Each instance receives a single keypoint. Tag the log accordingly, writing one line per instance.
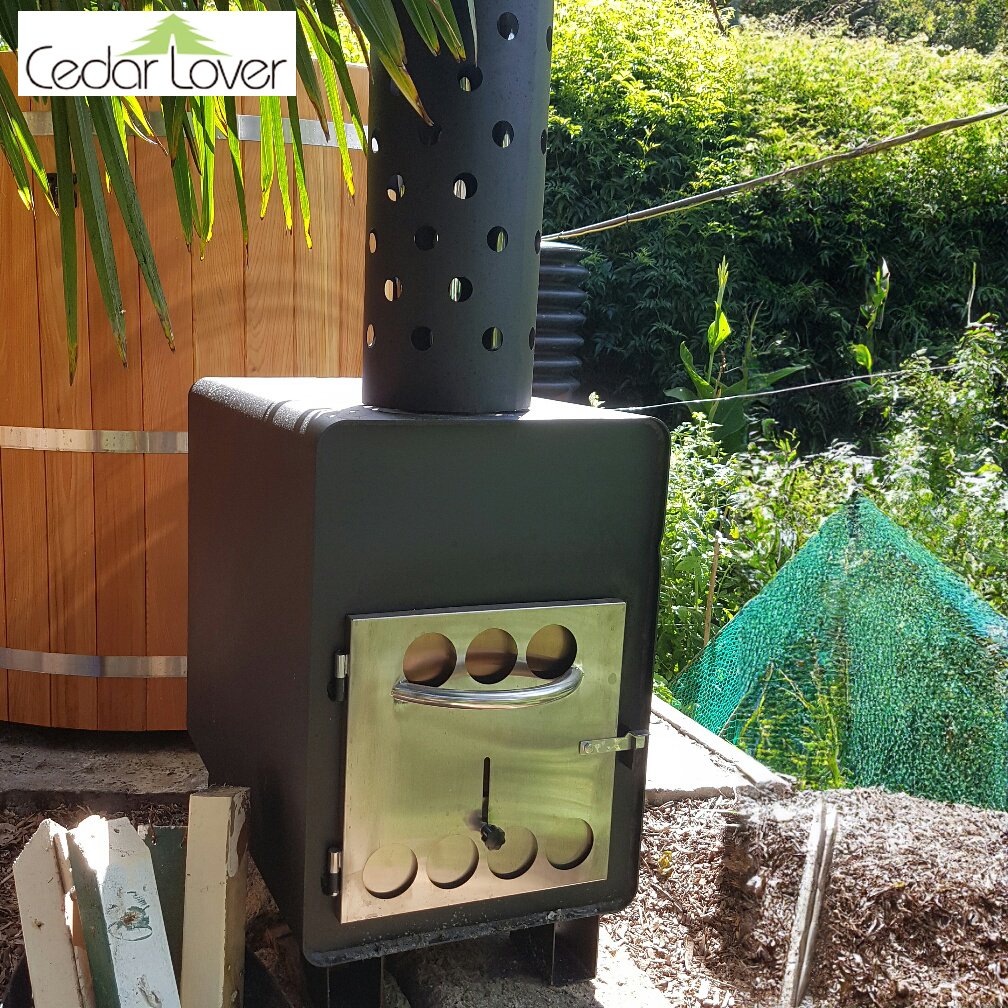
(123, 925)
(213, 941)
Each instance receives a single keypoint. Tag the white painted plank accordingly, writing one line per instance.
(46, 911)
(121, 914)
(213, 939)
(74, 920)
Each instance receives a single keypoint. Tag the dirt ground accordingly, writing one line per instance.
(916, 913)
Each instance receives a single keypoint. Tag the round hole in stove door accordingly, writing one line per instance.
(568, 843)
(491, 656)
(390, 871)
(551, 652)
(430, 660)
(452, 861)
(517, 854)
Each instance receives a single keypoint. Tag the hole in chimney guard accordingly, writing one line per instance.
(429, 134)
(497, 239)
(470, 77)
(569, 843)
(516, 856)
(464, 185)
(507, 25)
(422, 338)
(452, 861)
(542, 141)
(551, 651)
(430, 660)
(532, 338)
(493, 338)
(374, 143)
(393, 289)
(549, 38)
(503, 133)
(460, 289)
(425, 238)
(390, 871)
(370, 336)
(396, 188)
(537, 241)
(491, 656)
(372, 241)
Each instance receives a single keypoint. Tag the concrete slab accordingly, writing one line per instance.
(686, 760)
(46, 767)
(488, 973)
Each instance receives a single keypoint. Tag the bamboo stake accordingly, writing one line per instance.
(713, 195)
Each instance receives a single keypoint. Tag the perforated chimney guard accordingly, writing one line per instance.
(455, 219)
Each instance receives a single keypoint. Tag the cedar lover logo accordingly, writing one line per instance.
(135, 53)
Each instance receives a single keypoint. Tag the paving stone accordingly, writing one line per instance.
(488, 973)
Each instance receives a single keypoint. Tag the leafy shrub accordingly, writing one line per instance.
(960, 24)
(651, 102)
(940, 473)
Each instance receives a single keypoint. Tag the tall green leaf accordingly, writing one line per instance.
(68, 228)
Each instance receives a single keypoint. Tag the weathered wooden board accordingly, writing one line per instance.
(213, 946)
(120, 911)
(46, 911)
(167, 845)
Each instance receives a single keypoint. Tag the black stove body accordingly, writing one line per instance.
(426, 644)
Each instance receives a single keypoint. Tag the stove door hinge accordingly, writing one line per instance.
(624, 743)
(338, 680)
(333, 871)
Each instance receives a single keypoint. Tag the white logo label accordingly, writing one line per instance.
(147, 53)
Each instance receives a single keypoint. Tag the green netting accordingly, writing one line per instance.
(864, 662)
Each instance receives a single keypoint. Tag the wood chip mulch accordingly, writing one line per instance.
(916, 915)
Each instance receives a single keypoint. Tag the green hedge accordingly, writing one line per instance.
(650, 102)
(960, 24)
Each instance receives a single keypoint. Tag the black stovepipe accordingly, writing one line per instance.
(455, 218)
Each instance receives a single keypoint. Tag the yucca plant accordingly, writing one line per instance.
(192, 126)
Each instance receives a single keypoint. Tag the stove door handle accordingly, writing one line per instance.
(513, 699)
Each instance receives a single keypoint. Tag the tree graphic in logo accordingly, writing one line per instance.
(174, 31)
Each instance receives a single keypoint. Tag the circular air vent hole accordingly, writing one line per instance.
(464, 186)
(372, 241)
(396, 188)
(551, 651)
(503, 133)
(422, 338)
(425, 238)
(537, 241)
(393, 289)
(460, 289)
(491, 656)
(369, 338)
(374, 143)
(570, 841)
(429, 134)
(542, 141)
(497, 239)
(470, 77)
(390, 871)
(507, 25)
(532, 339)
(452, 861)
(516, 856)
(493, 338)
(430, 660)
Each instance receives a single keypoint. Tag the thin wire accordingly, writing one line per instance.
(781, 391)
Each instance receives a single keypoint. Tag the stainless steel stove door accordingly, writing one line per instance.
(465, 774)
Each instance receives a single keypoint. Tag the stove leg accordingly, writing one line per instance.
(562, 953)
(358, 984)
